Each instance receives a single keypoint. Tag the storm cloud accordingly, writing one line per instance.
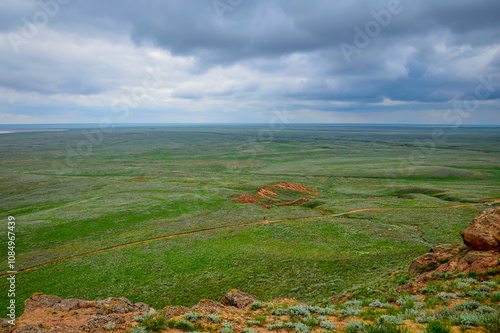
(377, 61)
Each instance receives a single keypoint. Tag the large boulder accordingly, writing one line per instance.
(484, 231)
(39, 300)
(238, 299)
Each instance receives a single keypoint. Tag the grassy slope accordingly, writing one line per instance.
(66, 206)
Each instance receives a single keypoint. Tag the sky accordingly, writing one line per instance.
(250, 61)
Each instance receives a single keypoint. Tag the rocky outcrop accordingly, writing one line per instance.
(439, 254)
(453, 258)
(40, 301)
(484, 231)
(238, 299)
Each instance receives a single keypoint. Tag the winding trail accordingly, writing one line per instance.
(493, 200)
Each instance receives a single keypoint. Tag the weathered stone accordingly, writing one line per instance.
(115, 305)
(174, 311)
(207, 306)
(98, 323)
(40, 301)
(238, 299)
(484, 231)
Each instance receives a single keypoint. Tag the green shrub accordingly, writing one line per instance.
(192, 316)
(378, 304)
(110, 326)
(227, 327)
(302, 328)
(249, 330)
(495, 297)
(214, 318)
(390, 320)
(483, 288)
(468, 306)
(484, 309)
(256, 305)
(384, 329)
(437, 327)
(279, 326)
(327, 325)
(139, 329)
(156, 324)
(492, 323)
(184, 325)
(467, 319)
(350, 311)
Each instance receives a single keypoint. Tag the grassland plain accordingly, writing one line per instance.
(150, 181)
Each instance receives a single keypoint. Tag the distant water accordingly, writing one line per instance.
(31, 130)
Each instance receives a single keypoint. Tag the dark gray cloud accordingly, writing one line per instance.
(423, 52)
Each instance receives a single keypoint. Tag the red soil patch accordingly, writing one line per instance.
(248, 199)
(244, 198)
(295, 187)
(263, 193)
(296, 202)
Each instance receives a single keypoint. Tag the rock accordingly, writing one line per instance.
(484, 231)
(238, 299)
(30, 329)
(438, 255)
(207, 306)
(72, 304)
(174, 311)
(98, 323)
(143, 307)
(478, 262)
(115, 305)
(40, 301)
(424, 263)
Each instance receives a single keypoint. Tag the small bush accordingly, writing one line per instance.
(155, 324)
(327, 325)
(139, 329)
(390, 320)
(492, 323)
(279, 326)
(249, 330)
(468, 306)
(483, 288)
(437, 327)
(378, 304)
(192, 316)
(350, 311)
(302, 328)
(256, 305)
(495, 297)
(214, 318)
(467, 319)
(184, 325)
(110, 326)
(227, 327)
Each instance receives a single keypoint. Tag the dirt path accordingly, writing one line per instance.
(244, 225)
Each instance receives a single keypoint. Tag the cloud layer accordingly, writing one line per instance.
(377, 61)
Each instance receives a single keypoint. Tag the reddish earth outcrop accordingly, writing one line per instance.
(453, 258)
(269, 195)
(46, 313)
(484, 231)
(238, 299)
